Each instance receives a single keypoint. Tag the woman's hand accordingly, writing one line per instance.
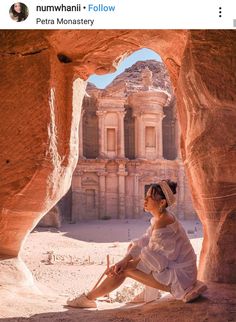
(121, 266)
(117, 268)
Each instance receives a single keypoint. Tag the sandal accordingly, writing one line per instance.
(195, 292)
(81, 301)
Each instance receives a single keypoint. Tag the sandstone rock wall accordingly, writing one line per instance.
(37, 159)
(206, 100)
(52, 218)
(37, 134)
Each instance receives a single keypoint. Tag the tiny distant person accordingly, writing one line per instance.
(18, 12)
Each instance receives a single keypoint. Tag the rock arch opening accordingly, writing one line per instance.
(43, 166)
(129, 121)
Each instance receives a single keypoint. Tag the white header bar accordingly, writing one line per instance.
(120, 14)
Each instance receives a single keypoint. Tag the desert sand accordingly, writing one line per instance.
(70, 260)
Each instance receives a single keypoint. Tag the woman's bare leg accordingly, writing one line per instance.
(107, 286)
(111, 283)
(147, 279)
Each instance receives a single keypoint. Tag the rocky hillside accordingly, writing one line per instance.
(131, 79)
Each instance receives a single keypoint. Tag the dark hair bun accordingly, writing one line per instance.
(172, 185)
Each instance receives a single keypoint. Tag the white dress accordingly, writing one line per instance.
(168, 254)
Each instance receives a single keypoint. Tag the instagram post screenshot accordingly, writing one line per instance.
(118, 161)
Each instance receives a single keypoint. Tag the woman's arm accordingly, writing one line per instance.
(133, 252)
(136, 245)
(120, 266)
(160, 250)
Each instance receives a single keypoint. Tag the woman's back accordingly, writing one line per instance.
(171, 240)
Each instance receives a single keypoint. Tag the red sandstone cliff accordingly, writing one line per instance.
(39, 124)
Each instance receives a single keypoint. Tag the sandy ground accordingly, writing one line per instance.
(80, 250)
(70, 260)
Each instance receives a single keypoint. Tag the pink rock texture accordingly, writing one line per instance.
(131, 78)
(40, 116)
(51, 219)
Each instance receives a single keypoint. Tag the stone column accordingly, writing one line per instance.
(160, 137)
(136, 194)
(102, 194)
(121, 188)
(136, 128)
(81, 139)
(139, 136)
(101, 133)
(77, 197)
(121, 135)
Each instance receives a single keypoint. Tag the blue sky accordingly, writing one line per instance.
(101, 81)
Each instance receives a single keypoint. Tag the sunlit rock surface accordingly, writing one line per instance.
(40, 116)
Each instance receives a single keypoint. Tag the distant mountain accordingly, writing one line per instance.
(131, 79)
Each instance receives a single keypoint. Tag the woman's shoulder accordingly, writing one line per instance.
(163, 222)
(159, 224)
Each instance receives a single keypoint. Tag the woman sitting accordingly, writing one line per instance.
(163, 258)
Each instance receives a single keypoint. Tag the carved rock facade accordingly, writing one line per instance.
(128, 138)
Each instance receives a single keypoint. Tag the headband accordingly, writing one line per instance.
(170, 198)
